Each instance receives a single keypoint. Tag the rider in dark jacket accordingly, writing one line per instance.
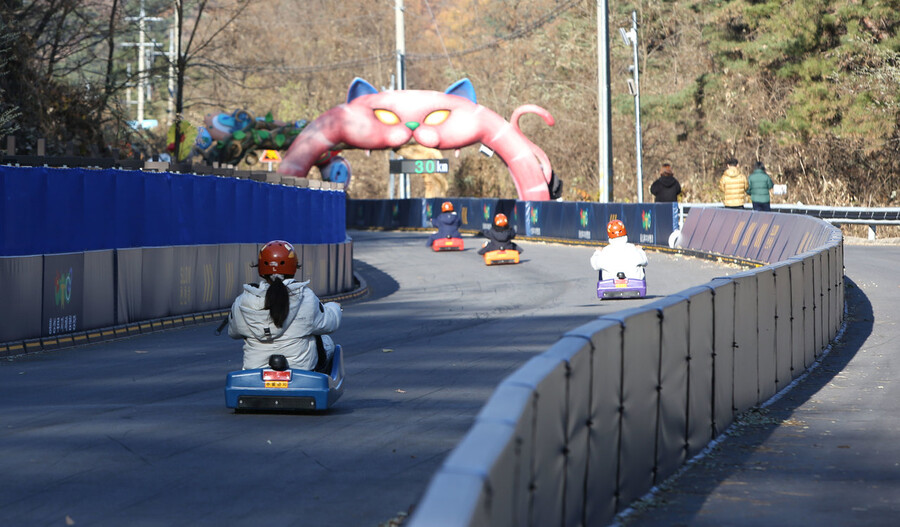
(447, 224)
(499, 236)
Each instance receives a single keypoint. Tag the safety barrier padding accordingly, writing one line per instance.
(723, 353)
(746, 345)
(781, 335)
(699, 354)
(639, 401)
(657, 382)
(604, 423)
(21, 277)
(546, 378)
(508, 477)
(674, 354)
(99, 289)
(577, 355)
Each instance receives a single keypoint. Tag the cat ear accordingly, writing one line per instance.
(358, 88)
(463, 88)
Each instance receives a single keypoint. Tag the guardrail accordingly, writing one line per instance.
(616, 406)
(871, 217)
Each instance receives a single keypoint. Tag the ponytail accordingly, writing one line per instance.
(278, 300)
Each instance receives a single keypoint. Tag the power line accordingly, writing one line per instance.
(518, 33)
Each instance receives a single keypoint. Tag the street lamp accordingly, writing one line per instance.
(630, 38)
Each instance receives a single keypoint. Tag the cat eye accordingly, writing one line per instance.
(436, 117)
(387, 116)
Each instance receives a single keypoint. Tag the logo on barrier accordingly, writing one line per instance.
(645, 220)
(583, 233)
(487, 212)
(428, 209)
(646, 224)
(63, 288)
(534, 216)
(395, 211)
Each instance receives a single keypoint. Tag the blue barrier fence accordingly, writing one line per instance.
(82, 250)
(646, 223)
(57, 210)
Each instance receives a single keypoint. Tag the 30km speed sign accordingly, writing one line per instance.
(420, 166)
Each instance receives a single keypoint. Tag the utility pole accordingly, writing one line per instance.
(604, 167)
(400, 85)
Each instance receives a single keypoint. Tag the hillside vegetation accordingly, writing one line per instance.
(809, 87)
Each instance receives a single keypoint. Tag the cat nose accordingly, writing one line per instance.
(412, 125)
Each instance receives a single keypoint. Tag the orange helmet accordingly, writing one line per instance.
(615, 229)
(446, 207)
(277, 257)
(500, 220)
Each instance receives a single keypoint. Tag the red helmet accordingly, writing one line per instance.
(615, 229)
(277, 257)
(446, 207)
(500, 220)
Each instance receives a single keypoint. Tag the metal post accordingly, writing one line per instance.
(403, 192)
(401, 45)
(637, 110)
(604, 168)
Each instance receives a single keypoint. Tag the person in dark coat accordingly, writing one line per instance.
(499, 236)
(666, 188)
(447, 224)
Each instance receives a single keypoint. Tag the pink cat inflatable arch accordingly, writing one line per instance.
(374, 120)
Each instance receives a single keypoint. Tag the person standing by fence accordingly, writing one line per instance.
(666, 188)
(759, 185)
(733, 185)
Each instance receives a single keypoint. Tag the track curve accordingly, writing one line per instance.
(135, 432)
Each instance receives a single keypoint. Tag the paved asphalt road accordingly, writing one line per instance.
(828, 451)
(135, 432)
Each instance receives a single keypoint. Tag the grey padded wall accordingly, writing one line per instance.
(699, 429)
(578, 356)
(766, 307)
(21, 276)
(798, 331)
(809, 332)
(99, 289)
(782, 339)
(546, 377)
(746, 349)
(640, 378)
(491, 440)
(723, 350)
(819, 297)
(671, 440)
(510, 475)
(160, 282)
(605, 337)
(129, 291)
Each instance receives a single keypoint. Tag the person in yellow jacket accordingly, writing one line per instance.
(734, 185)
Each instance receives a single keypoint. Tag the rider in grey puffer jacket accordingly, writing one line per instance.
(251, 320)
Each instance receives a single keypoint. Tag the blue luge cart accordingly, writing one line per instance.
(269, 389)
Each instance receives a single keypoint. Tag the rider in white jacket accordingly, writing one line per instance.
(256, 313)
(619, 255)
